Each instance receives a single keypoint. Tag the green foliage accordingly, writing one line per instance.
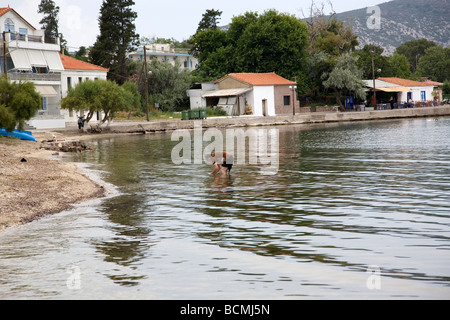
(19, 102)
(81, 54)
(167, 85)
(331, 36)
(345, 77)
(117, 38)
(396, 65)
(210, 20)
(446, 87)
(381, 62)
(210, 46)
(435, 64)
(105, 96)
(329, 39)
(270, 42)
(413, 50)
(50, 20)
(215, 112)
(399, 66)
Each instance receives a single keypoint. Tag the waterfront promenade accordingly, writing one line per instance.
(303, 118)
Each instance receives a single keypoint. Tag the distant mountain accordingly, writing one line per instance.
(401, 21)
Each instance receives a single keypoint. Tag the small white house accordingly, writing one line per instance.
(419, 91)
(259, 94)
(404, 90)
(75, 72)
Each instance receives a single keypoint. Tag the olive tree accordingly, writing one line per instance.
(104, 96)
(19, 102)
(345, 77)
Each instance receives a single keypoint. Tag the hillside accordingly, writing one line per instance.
(401, 21)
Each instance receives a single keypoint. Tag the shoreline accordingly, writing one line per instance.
(35, 183)
(45, 185)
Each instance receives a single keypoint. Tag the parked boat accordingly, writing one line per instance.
(23, 135)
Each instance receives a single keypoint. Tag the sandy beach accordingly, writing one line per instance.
(33, 183)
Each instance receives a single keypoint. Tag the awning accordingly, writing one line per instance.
(53, 61)
(20, 59)
(23, 59)
(225, 92)
(36, 58)
(394, 89)
(46, 91)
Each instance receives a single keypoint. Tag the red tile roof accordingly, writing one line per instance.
(75, 64)
(405, 82)
(259, 79)
(4, 10)
(433, 83)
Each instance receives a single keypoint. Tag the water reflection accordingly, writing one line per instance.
(346, 196)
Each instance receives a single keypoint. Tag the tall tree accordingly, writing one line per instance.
(268, 42)
(210, 20)
(414, 50)
(329, 39)
(117, 37)
(380, 61)
(435, 64)
(50, 21)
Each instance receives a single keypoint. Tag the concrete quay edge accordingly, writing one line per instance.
(305, 118)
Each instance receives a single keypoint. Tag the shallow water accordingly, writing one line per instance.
(358, 210)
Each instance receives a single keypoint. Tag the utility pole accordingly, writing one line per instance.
(293, 97)
(146, 82)
(4, 55)
(373, 77)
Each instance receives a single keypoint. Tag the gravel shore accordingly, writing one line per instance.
(33, 183)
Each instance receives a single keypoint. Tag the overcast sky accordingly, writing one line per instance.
(78, 19)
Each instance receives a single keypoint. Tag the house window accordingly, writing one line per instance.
(423, 95)
(44, 103)
(287, 100)
(69, 83)
(9, 25)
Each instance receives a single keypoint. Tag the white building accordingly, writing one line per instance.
(28, 55)
(75, 72)
(403, 90)
(166, 53)
(259, 94)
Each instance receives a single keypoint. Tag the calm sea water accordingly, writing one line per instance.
(359, 210)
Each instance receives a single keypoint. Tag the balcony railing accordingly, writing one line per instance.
(15, 36)
(34, 76)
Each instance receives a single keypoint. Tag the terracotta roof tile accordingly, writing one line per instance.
(4, 11)
(75, 64)
(259, 79)
(404, 82)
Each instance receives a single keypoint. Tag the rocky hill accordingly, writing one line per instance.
(401, 21)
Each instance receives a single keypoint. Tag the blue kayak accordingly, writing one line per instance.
(23, 135)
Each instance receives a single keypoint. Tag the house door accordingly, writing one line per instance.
(264, 107)
(409, 97)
